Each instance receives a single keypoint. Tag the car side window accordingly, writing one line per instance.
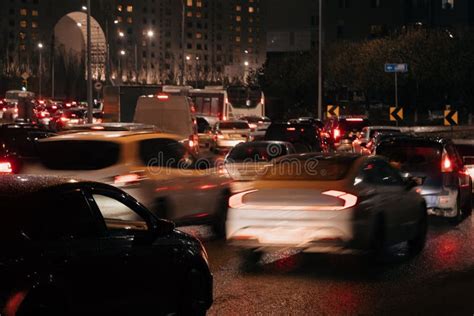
(60, 216)
(162, 152)
(118, 216)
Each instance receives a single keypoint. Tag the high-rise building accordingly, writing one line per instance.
(137, 41)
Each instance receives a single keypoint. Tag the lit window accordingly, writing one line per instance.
(238, 18)
(129, 8)
(198, 35)
(189, 14)
(34, 24)
(129, 20)
(198, 14)
(23, 24)
(189, 3)
(23, 12)
(199, 4)
(238, 8)
(237, 39)
(119, 19)
(34, 13)
(251, 10)
(22, 35)
(119, 8)
(250, 40)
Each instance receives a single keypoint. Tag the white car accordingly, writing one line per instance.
(227, 134)
(153, 167)
(328, 203)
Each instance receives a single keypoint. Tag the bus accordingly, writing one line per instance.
(216, 103)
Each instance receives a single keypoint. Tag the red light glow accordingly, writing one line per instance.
(6, 167)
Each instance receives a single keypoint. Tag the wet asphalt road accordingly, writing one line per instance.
(439, 281)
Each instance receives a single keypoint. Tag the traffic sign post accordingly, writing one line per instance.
(396, 68)
(396, 114)
(332, 111)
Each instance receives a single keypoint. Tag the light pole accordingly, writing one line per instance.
(150, 35)
(40, 71)
(183, 59)
(89, 65)
(320, 62)
(122, 53)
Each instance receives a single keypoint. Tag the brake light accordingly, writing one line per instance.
(253, 126)
(14, 302)
(6, 167)
(349, 199)
(54, 107)
(354, 119)
(16, 110)
(4, 109)
(291, 129)
(224, 118)
(64, 119)
(163, 97)
(97, 128)
(336, 133)
(446, 163)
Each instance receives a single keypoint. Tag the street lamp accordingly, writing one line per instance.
(40, 71)
(246, 63)
(188, 58)
(150, 35)
(122, 53)
(121, 34)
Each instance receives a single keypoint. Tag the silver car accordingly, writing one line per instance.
(227, 134)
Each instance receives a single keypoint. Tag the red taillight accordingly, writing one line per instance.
(446, 163)
(6, 167)
(253, 126)
(163, 97)
(336, 133)
(14, 302)
(354, 120)
(291, 129)
(349, 199)
(64, 119)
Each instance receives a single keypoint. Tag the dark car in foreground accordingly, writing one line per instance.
(83, 248)
(18, 145)
(443, 179)
(304, 137)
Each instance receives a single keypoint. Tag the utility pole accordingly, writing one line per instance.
(183, 58)
(40, 70)
(89, 65)
(320, 62)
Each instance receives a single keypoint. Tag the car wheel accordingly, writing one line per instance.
(192, 303)
(467, 209)
(416, 245)
(219, 225)
(459, 214)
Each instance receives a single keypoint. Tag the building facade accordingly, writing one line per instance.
(135, 41)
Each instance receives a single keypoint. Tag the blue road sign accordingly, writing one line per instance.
(396, 67)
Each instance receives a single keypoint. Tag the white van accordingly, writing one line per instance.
(172, 114)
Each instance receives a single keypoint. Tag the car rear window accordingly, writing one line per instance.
(21, 142)
(233, 125)
(312, 169)
(411, 153)
(353, 125)
(257, 152)
(79, 155)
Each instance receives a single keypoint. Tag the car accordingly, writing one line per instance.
(337, 129)
(246, 160)
(110, 127)
(323, 202)
(308, 120)
(368, 133)
(435, 162)
(227, 134)
(73, 247)
(155, 168)
(204, 132)
(258, 125)
(173, 114)
(18, 145)
(465, 148)
(304, 137)
(66, 118)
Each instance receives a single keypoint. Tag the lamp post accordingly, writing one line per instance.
(40, 70)
(122, 53)
(89, 65)
(150, 35)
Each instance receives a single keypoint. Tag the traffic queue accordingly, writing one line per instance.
(336, 186)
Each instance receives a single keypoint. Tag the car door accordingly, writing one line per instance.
(138, 272)
(66, 234)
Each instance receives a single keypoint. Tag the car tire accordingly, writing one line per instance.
(219, 224)
(194, 286)
(417, 244)
(459, 213)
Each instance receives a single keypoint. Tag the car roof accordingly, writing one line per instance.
(115, 127)
(418, 139)
(264, 142)
(119, 136)
(383, 127)
(319, 155)
(13, 186)
(463, 141)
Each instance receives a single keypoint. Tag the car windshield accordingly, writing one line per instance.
(312, 169)
(255, 152)
(79, 155)
(233, 125)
